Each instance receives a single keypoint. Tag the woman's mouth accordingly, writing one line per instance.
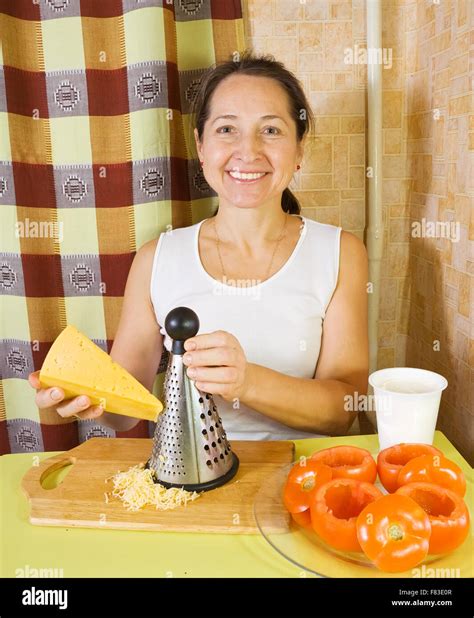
(246, 178)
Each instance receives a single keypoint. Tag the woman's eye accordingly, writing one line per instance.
(277, 130)
(221, 130)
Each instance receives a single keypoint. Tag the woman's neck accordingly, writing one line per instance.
(248, 229)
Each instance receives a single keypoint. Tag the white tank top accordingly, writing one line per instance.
(277, 322)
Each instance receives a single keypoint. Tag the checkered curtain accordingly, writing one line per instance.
(96, 158)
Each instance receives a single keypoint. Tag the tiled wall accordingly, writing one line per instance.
(425, 317)
(309, 38)
(437, 101)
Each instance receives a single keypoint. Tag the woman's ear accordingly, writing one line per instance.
(301, 146)
(198, 144)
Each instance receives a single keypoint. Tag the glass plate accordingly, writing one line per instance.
(304, 548)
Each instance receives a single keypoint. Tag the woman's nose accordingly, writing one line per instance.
(248, 148)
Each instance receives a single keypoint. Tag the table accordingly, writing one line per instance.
(118, 553)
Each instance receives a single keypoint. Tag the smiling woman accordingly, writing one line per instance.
(281, 119)
(281, 298)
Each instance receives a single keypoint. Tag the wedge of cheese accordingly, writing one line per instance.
(78, 366)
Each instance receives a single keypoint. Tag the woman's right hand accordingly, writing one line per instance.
(53, 399)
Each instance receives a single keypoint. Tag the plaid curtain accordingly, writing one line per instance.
(96, 158)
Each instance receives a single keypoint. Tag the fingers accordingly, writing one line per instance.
(51, 397)
(211, 357)
(216, 375)
(47, 397)
(215, 389)
(73, 406)
(33, 379)
(91, 412)
(210, 340)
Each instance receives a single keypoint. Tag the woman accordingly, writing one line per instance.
(281, 299)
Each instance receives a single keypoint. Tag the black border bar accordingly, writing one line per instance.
(301, 597)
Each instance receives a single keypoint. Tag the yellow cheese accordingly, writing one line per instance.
(78, 366)
(136, 488)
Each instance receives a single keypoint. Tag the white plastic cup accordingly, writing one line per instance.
(406, 404)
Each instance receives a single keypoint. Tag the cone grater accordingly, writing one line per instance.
(190, 448)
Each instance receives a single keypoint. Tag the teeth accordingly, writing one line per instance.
(246, 176)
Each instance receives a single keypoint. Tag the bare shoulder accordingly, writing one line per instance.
(142, 265)
(147, 250)
(353, 255)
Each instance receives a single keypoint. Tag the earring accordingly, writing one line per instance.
(298, 167)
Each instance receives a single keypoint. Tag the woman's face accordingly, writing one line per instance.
(249, 142)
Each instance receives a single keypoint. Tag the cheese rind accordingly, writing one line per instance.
(77, 365)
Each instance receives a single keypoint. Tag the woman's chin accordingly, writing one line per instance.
(244, 198)
(243, 204)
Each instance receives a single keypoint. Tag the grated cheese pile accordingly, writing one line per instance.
(136, 488)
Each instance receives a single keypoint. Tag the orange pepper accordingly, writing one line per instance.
(303, 519)
(394, 533)
(348, 462)
(447, 511)
(433, 469)
(335, 508)
(391, 460)
(303, 480)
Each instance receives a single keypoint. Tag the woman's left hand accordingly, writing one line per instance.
(219, 364)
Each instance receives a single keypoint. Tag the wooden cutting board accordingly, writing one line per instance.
(79, 499)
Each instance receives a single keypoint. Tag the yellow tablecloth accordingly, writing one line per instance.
(82, 552)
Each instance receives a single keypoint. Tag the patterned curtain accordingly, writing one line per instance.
(96, 158)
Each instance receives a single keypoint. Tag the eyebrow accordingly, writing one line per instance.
(233, 117)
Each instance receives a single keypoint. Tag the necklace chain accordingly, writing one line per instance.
(273, 254)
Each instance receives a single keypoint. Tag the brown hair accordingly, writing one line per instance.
(260, 66)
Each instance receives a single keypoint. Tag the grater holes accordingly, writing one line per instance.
(209, 462)
(206, 447)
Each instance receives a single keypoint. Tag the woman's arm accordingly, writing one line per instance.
(317, 404)
(138, 343)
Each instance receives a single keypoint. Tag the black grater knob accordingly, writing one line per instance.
(181, 323)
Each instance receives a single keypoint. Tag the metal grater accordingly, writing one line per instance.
(190, 448)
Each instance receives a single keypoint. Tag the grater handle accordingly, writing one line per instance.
(181, 323)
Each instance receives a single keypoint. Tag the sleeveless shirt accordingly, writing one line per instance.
(278, 322)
